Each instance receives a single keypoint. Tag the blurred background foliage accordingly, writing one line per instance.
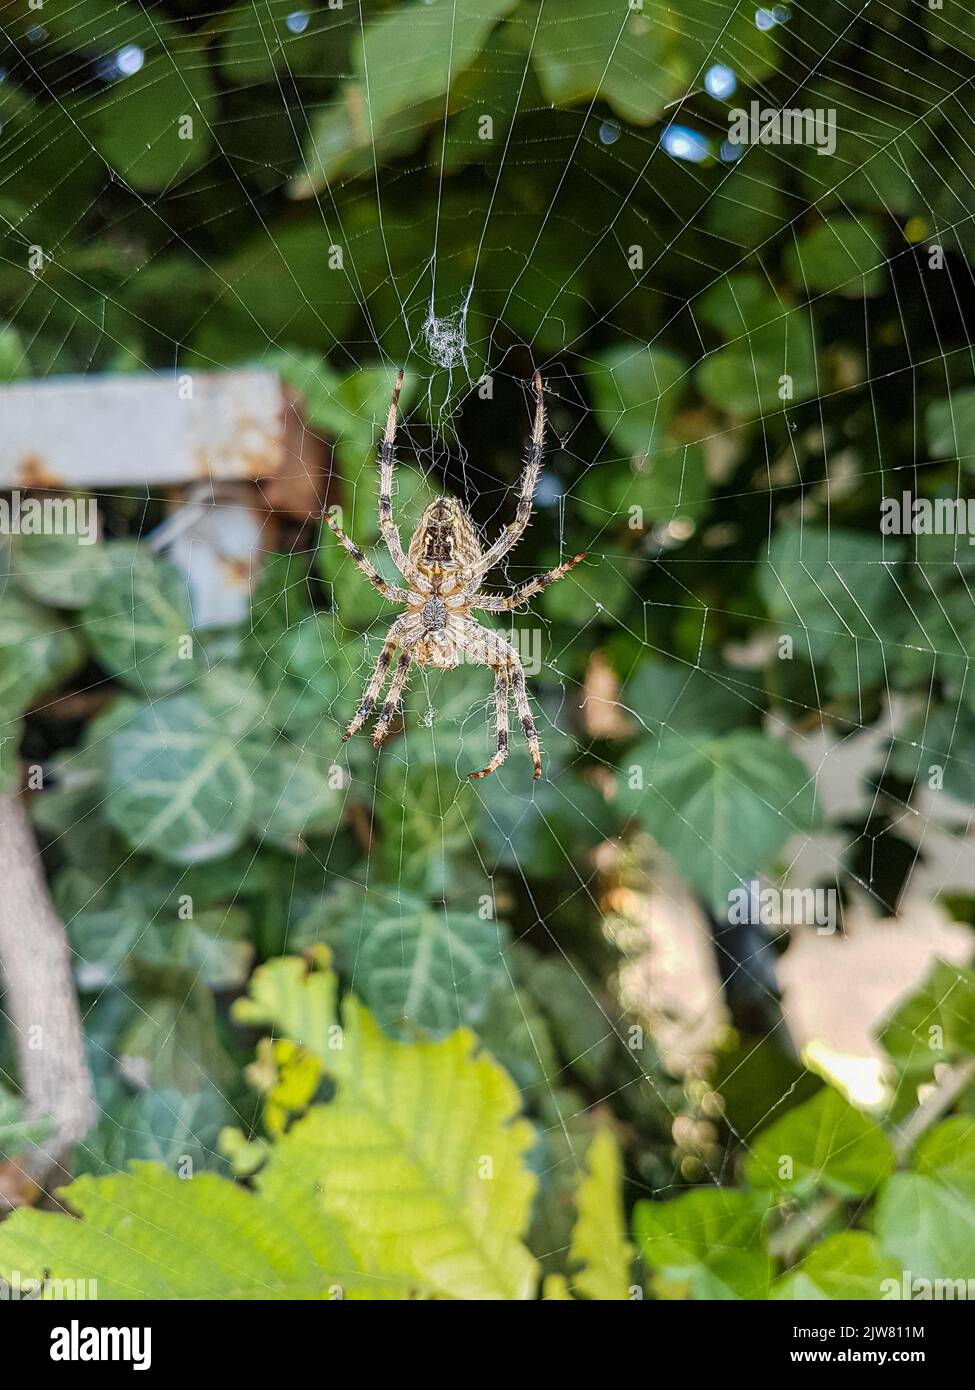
(743, 354)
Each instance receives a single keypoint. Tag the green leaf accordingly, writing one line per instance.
(58, 571)
(708, 1239)
(925, 1219)
(167, 1126)
(423, 967)
(950, 424)
(138, 623)
(668, 485)
(639, 61)
(694, 698)
(635, 392)
(844, 255)
(178, 787)
(599, 1243)
(824, 1143)
(16, 1131)
(420, 1154)
(769, 342)
(720, 807)
(37, 652)
(936, 1024)
(835, 593)
(848, 1265)
(292, 794)
(154, 127)
(257, 40)
(149, 1235)
(409, 56)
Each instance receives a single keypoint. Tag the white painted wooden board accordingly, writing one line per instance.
(146, 428)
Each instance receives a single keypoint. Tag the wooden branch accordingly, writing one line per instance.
(41, 1007)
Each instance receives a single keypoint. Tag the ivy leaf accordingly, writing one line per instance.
(720, 807)
(950, 424)
(292, 795)
(833, 593)
(844, 255)
(936, 1024)
(823, 1143)
(767, 342)
(154, 127)
(926, 1219)
(848, 1265)
(423, 967)
(37, 652)
(56, 570)
(138, 621)
(708, 1239)
(635, 392)
(178, 787)
(167, 1125)
(599, 1243)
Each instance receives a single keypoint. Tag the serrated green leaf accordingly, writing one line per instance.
(147, 1234)
(421, 1156)
(599, 1243)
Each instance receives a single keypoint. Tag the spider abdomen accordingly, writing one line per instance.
(434, 614)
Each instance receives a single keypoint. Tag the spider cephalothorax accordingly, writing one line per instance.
(443, 569)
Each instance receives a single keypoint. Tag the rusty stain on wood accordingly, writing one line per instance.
(145, 429)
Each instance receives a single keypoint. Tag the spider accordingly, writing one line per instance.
(443, 568)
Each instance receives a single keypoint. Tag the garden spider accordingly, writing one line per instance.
(444, 567)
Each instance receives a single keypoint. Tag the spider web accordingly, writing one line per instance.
(606, 232)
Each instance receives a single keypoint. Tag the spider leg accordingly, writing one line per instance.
(376, 682)
(501, 697)
(390, 591)
(498, 603)
(526, 492)
(490, 649)
(524, 712)
(389, 529)
(393, 698)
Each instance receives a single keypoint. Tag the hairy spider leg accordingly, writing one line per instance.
(501, 698)
(503, 603)
(390, 591)
(388, 527)
(393, 697)
(490, 649)
(526, 492)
